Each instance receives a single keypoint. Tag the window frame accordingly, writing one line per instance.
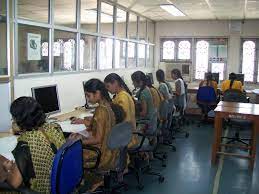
(256, 59)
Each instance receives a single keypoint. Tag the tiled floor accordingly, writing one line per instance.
(189, 170)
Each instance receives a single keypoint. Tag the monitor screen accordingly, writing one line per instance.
(47, 97)
(240, 77)
(151, 77)
(215, 77)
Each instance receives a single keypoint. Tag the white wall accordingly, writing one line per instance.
(5, 116)
(70, 86)
(211, 28)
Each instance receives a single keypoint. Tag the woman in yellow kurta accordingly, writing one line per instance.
(105, 117)
(122, 97)
(231, 83)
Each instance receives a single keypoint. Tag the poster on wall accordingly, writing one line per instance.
(33, 46)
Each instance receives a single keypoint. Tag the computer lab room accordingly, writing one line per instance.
(129, 96)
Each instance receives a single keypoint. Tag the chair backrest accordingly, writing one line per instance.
(206, 95)
(67, 168)
(232, 95)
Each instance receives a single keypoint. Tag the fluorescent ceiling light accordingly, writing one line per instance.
(170, 8)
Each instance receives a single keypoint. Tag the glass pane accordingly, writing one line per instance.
(132, 59)
(248, 60)
(65, 13)
(202, 55)
(106, 24)
(141, 55)
(31, 41)
(120, 54)
(105, 56)
(3, 46)
(2, 7)
(150, 56)
(142, 28)
(89, 15)
(66, 60)
(121, 23)
(132, 28)
(87, 52)
(168, 50)
(218, 68)
(184, 50)
(151, 32)
(36, 10)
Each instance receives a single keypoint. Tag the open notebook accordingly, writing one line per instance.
(7, 145)
(72, 128)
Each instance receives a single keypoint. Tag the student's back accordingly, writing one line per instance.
(231, 83)
(146, 96)
(157, 97)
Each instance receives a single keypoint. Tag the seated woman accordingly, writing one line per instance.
(163, 86)
(106, 115)
(209, 82)
(122, 97)
(231, 83)
(144, 95)
(180, 90)
(36, 147)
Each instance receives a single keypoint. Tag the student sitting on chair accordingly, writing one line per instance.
(164, 88)
(180, 90)
(231, 83)
(106, 115)
(36, 147)
(144, 95)
(209, 82)
(123, 97)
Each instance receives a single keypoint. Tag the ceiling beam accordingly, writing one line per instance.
(211, 8)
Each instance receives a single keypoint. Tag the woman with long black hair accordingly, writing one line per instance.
(231, 83)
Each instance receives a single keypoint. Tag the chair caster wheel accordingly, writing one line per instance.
(161, 179)
(186, 135)
(140, 187)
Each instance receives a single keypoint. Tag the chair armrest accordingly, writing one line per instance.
(98, 153)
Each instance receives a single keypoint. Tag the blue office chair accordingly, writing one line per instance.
(206, 100)
(67, 170)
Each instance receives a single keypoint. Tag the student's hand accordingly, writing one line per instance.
(76, 136)
(77, 121)
(8, 165)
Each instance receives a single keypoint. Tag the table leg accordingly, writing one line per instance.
(253, 144)
(217, 137)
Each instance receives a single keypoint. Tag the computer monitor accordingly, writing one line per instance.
(150, 75)
(47, 97)
(240, 77)
(215, 77)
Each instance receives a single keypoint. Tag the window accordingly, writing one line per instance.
(132, 26)
(248, 60)
(142, 28)
(151, 31)
(218, 68)
(105, 57)
(202, 55)
(30, 46)
(150, 56)
(120, 54)
(26, 10)
(45, 49)
(87, 52)
(3, 39)
(141, 55)
(66, 60)
(132, 60)
(89, 15)
(64, 13)
(168, 50)
(106, 24)
(121, 23)
(184, 50)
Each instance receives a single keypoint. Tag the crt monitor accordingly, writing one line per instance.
(240, 77)
(47, 97)
(150, 75)
(215, 77)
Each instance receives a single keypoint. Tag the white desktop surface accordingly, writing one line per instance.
(7, 145)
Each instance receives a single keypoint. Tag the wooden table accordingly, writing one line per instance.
(244, 111)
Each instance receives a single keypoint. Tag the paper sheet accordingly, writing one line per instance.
(86, 114)
(7, 145)
(73, 128)
(256, 91)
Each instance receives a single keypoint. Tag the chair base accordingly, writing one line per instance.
(237, 139)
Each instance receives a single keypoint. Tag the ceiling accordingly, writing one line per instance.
(193, 9)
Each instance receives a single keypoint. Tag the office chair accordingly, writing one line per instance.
(119, 138)
(206, 100)
(138, 165)
(232, 95)
(67, 170)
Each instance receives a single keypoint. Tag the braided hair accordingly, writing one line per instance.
(138, 77)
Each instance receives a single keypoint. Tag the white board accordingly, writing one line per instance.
(5, 121)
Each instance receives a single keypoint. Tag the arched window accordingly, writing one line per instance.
(168, 50)
(202, 55)
(184, 50)
(248, 62)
